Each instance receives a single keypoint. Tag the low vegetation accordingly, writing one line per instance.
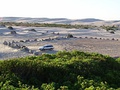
(110, 29)
(61, 71)
(10, 27)
(33, 30)
(47, 25)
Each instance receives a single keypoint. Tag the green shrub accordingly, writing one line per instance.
(32, 30)
(112, 32)
(10, 27)
(61, 71)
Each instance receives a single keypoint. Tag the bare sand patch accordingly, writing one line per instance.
(101, 43)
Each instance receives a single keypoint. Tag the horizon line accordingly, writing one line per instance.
(58, 18)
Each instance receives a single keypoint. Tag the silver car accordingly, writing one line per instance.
(46, 47)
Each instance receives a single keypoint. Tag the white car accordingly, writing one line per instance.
(46, 47)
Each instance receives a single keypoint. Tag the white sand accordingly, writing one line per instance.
(107, 47)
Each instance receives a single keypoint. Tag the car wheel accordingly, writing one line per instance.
(42, 49)
(51, 49)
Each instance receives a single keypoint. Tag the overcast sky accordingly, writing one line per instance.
(71, 9)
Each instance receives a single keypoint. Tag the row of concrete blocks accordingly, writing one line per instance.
(57, 38)
(46, 39)
(100, 38)
(28, 40)
(61, 38)
(21, 47)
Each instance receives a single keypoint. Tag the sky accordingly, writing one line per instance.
(71, 9)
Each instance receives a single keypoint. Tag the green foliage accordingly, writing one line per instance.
(10, 27)
(47, 25)
(118, 60)
(50, 86)
(112, 32)
(110, 28)
(61, 71)
(7, 86)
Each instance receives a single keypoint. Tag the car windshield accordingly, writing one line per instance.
(48, 45)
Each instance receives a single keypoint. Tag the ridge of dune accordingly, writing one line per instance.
(60, 20)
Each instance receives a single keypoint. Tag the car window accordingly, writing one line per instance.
(49, 46)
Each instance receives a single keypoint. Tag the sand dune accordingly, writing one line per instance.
(92, 21)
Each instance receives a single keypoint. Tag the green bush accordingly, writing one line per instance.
(10, 27)
(61, 71)
(47, 25)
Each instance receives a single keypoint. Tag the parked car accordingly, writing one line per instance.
(46, 47)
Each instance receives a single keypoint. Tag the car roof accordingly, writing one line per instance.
(48, 45)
